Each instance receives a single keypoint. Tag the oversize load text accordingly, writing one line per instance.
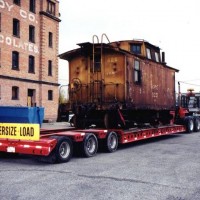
(19, 131)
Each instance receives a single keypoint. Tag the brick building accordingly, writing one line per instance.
(28, 54)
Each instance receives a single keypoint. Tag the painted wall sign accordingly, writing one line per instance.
(23, 13)
(10, 41)
(26, 46)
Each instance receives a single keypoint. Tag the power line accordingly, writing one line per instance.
(188, 83)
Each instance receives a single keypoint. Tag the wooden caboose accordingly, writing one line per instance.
(117, 84)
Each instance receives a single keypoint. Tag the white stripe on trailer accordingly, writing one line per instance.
(1, 144)
(38, 147)
(26, 146)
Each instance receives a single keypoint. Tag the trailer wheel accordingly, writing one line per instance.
(189, 123)
(63, 150)
(90, 145)
(111, 142)
(196, 124)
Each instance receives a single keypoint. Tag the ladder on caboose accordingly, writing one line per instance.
(96, 83)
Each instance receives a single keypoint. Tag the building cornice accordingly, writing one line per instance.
(29, 80)
(50, 16)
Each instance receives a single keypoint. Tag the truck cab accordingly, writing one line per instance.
(191, 101)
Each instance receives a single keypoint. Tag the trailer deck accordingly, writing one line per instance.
(58, 142)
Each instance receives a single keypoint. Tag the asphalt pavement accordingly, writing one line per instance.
(165, 168)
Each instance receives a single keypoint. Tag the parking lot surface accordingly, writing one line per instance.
(165, 168)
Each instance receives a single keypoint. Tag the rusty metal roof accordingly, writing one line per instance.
(86, 49)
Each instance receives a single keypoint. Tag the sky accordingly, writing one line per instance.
(173, 25)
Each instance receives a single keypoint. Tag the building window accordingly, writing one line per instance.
(50, 95)
(0, 57)
(0, 22)
(136, 48)
(16, 27)
(31, 68)
(15, 93)
(148, 53)
(31, 33)
(31, 97)
(15, 60)
(32, 6)
(49, 68)
(17, 2)
(137, 73)
(50, 39)
(51, 7)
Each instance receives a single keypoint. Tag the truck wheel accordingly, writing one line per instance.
(189, 123)
(196, 124)
(111, 142)
(90, 145)
(63, 150)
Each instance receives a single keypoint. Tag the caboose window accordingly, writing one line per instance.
(136, 48)
(157, 56)
(148, 53)
(136, 74)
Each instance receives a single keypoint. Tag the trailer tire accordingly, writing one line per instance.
(111, 142)
(63, 150)
(90, 145)
(189, 123)
(196, 124)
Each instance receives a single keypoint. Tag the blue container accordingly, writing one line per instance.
(12, 114)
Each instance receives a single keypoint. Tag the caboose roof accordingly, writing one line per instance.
(70, 54)
(139, 41)
(86, 48)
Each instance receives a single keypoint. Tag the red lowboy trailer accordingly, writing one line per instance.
(56, 146)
